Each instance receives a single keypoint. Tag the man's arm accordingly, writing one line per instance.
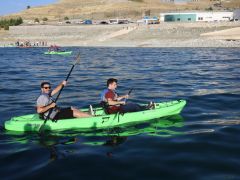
(58, 88)
(113, 102)
(119, 98)
(42, 109)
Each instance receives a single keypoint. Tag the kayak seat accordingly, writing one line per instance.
(104, 105)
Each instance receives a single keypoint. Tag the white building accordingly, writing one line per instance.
(214, 16)
(196, 16)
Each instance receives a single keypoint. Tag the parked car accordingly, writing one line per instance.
(87, 21)
(103, 22)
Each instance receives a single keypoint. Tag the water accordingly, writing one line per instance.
(202, 143)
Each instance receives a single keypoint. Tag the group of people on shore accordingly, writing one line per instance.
(27, 43)
(110, 101)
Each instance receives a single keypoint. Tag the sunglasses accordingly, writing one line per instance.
(49, 87)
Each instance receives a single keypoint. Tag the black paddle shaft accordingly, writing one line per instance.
(129, 92)
(63, 86)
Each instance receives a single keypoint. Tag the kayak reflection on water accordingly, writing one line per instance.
(51, 143)
(54, 142)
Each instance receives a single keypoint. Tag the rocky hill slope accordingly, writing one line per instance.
(104, 9)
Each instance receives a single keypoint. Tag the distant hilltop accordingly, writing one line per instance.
(105, 9)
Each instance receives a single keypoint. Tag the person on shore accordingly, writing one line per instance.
(114, 103)
(45, 103)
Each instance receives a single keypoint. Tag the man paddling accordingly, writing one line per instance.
(114, 103)
(45, 102)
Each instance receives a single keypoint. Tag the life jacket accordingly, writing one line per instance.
(102, 95)
(107, 108)
(103, 101)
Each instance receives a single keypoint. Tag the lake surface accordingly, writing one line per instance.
(202, 143)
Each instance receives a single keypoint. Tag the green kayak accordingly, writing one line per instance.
(59, 52)
(101, 120)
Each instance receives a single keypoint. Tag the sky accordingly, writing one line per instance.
(14, 6)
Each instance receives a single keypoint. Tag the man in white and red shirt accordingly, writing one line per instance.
(117, 103)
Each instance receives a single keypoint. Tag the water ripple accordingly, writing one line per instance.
(201, 144)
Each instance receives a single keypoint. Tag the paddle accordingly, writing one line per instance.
(50, 111)
(129, 92)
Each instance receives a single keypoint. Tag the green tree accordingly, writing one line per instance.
(28, 7)
(6, 27)
(66, 18)
(10, 22)
(19, 21)
(136, 0)
(209, 9)
(45, 19)
(36, 20)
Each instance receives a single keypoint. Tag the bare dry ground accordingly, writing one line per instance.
(228, 34)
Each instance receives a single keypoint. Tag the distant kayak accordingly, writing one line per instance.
(59, 52)
(24, 46)
(101, 120)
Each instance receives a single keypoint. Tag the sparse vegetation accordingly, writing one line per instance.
(147, 13)
(66, 18)
(136, 0)
(5, 23)
(45, 19)
(36, 20)
(6, 27)
(209, 9)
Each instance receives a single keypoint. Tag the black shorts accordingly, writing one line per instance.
(64, 113)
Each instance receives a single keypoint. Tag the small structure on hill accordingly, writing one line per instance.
(149, 20)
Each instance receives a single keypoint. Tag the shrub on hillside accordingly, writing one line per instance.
(36, 20)
(136, 0)
(45, 19)
(6, 27)
(209, 9)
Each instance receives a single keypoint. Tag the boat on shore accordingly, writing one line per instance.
(101, 120)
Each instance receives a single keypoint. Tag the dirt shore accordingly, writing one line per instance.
(224, 34)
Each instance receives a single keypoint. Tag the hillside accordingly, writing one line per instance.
(104, 9)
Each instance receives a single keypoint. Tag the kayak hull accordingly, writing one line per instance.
(59, 52)
(32, 122)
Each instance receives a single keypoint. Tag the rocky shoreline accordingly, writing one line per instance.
(224, 34)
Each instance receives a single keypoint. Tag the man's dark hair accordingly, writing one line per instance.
(43, 83)
(111, 80)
